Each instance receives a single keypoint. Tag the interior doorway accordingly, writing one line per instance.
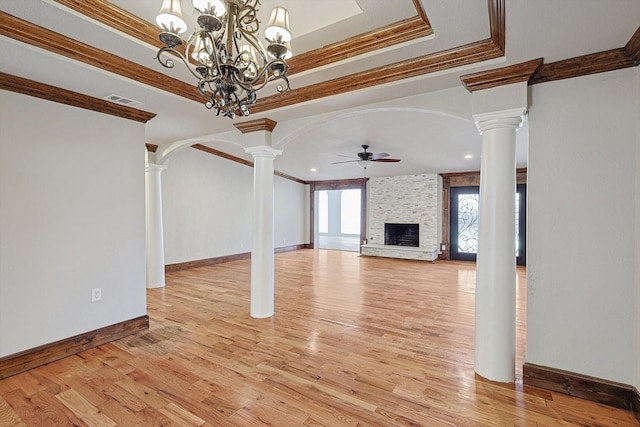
(352, 227)
(339, 219)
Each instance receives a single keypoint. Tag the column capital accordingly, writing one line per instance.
(154, 167)
(263, 151)
(512, 118)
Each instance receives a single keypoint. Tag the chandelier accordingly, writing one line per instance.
(225, 55)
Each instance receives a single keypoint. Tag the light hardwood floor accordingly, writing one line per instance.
(354, 342)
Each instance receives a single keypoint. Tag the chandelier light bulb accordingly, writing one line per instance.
(211, 7)
(201, 51)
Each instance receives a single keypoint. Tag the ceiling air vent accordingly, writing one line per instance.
(123, 101)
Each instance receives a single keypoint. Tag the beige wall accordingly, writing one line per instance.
(71, 219)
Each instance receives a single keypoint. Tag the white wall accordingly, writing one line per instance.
(291, 213)
(582, 179)
(71, 219)
(207, 208)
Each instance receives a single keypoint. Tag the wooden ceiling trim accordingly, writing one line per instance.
(497, 23)
(256, 125)
(116, 18)
(421, 13)
(242, 161)
(632, 48)
(398, 32)
(395, 33)
(26, 32)
(458, 56)
(600, 62)
(62, 96)
(451, 58)
(501, 76)
(471, 53)
(290, 178)
(222, 154)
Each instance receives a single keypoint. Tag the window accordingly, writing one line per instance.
(349, 212)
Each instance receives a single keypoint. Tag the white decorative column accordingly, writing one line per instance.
(499, 104)
(257, 142)
(154, 233)
(496, 263)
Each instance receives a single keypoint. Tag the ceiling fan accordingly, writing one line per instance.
(365, 158)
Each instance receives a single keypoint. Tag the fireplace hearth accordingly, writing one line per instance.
(401, 234)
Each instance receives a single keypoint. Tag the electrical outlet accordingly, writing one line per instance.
(96, 294)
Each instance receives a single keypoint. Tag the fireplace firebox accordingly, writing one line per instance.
(401, 234)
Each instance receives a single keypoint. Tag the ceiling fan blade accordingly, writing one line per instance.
(386, 160)
(379, 156)
(346, 161)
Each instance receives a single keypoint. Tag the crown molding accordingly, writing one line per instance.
(35, 35)
(390, 35)
(222, 154)
(463, 55)
(242, 161)
(600, 62)
(501, 76)
(497, 23)
(117, 18)
(75, 99)
(395, 33)
(632, 48)
(51, 41)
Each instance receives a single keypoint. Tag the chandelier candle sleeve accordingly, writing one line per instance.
(226, 55)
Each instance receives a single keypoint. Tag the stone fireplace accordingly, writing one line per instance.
(404, 217)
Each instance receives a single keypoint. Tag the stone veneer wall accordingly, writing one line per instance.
(406, 199)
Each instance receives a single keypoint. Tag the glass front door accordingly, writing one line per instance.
(464, 223)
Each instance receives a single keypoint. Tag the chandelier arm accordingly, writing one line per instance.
(246, 17)
(169, 63)
(269, 80)
(266, 78)
(286, 88)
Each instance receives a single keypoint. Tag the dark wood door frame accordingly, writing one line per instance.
(341, 184)
(461, 179)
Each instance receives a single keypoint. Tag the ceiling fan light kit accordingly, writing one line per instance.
(225, 54)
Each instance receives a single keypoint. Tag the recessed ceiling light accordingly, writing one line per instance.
(314, 170)
(468, 156)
